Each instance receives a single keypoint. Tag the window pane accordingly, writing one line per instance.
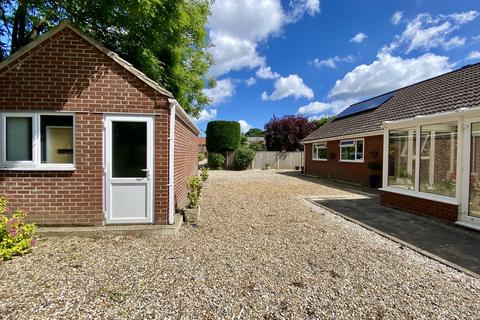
(401, 158)
(56, 134)
(348, 153)
(19, 139)
(322, 153)
(347, 143)
(359, 149)
(474, 188)
(438, 161)
(129, 149)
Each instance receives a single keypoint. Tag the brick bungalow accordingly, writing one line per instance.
(87, 139)
(426, 136)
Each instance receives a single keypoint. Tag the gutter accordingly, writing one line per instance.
(460, 111)
(171, 161)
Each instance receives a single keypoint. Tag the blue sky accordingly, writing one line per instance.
(315, 57)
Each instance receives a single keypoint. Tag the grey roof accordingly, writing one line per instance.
(453, 90)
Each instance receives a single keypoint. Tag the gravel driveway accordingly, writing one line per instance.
(259, 252)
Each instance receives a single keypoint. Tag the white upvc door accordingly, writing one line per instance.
(470, 195)
(129, 175)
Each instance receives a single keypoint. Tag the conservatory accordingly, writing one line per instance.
(436, 157)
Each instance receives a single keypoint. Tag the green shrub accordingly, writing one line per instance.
(194, 188)
(201, 156)
(243, 157)
(204, 174)
(16, 236)
(223, 136)
(215, 160)
(257, 146)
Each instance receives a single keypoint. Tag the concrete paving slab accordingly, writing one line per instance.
(453, 244)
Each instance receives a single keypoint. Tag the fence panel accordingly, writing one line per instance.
(278, 159)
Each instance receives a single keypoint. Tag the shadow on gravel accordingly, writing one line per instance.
(342, 185)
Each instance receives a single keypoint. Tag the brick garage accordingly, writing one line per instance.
(65, 72)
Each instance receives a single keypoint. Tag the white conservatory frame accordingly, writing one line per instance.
(464, 117)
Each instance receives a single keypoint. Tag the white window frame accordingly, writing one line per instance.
(36, 163)
(354, 145)
(418, 124)
(321, 145)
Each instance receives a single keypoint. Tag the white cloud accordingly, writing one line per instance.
(236, 27)
(250, 81)
(266, 73)
(225, 89)
(425, 32)
(299, 7)
(473, 55)
(359, 37)
(244, 126)
(330, 62)
(397, 17)
(206, 115)
(322, 108)
(291, 86)
(388, 73)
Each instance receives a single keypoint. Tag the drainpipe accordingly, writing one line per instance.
(171, 160)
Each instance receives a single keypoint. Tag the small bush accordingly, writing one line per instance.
(223, 136)
(194, 188)
(16, 236)
(201, 156)
(243, 157)
(215, 160)
(204, 174)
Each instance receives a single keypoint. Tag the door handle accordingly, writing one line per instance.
(148, 173)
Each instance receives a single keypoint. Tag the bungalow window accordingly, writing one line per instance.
(320, 151)
(37, 141)
(351, 150)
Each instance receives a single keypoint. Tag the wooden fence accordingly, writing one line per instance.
(278, 160)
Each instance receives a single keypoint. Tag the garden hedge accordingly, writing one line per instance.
(223, 136)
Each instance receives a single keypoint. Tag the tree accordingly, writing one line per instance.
(223, 136)
(254, 132)
(165, 39)
(321, 121)
(285, 134)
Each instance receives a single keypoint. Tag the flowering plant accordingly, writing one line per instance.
(16, 236)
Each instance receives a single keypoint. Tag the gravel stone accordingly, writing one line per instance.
(259, 251)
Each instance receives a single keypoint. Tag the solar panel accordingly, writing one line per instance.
(365, 105)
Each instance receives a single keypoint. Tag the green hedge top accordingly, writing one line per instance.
(223, 136)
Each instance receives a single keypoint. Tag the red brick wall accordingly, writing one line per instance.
(418, 205)
(186, 160)
(66, 73)
(348, 171)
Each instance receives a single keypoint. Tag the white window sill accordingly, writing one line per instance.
(39, 168)
(352, 161)
(422, 195)
(468, 224)
(319, 159)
